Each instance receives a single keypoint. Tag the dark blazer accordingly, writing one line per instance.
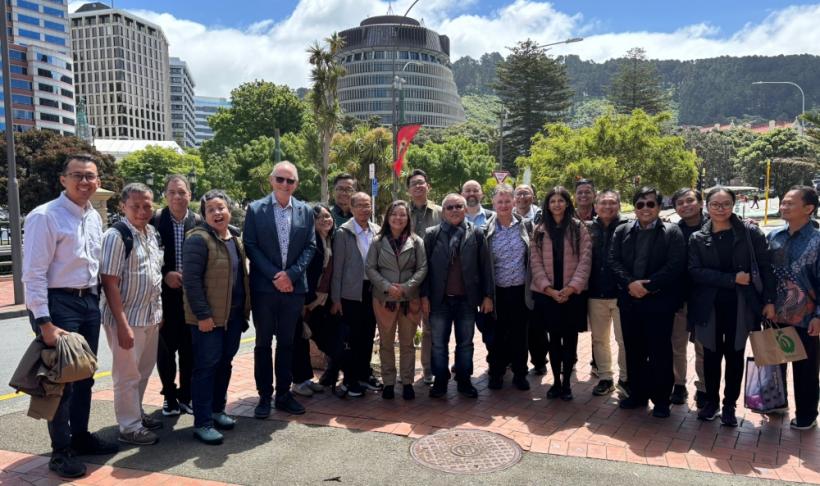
(664, 269)
(601, 281)
(262, 245)
(476, 266)
(708, 279)
(165, 227)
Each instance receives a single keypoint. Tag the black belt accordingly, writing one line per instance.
(76, 292)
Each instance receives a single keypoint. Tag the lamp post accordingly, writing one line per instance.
(192, 180)
(567, 41)
(502, 120)
(395, 110)
(802, 94)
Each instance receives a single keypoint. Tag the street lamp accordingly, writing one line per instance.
(192, 180)
(567, 41)
(502, 120)
(149, 180)
(395, 111)
(398, 83)
(802, 94)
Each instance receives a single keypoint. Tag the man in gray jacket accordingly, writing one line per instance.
(459, 279)
(352, 294)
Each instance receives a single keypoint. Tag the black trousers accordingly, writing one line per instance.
(537, 342)
(648, 343)
(805, 374)
(562, 323)
(174, 338)
(274, 313)
(328, 334)
(361, 330)
(509, 337)
(726, 331)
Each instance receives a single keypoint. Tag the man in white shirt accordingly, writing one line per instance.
(61, 252)
(472, 193)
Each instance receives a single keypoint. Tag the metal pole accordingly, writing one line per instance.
(802, 94)
(13, 187)
(395, 115)
(766, 204)
(501, 142)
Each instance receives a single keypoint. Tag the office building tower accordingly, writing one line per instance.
(205, 107)
(183, 121)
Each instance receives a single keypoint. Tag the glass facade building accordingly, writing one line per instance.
(205, 107)
(183, 121)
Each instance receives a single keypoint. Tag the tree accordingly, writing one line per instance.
(777, 143)
(354, 152)
(161, 162)
(813, 129)
(534, 89)
(716, 154)
(612, 152)
(788, 172)
(324, 100)
(39, 156)
(637, 85)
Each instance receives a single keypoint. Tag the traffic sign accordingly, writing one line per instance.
(500, 175)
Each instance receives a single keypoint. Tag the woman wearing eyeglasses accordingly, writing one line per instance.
(561, 259)
(733, 286)
(396, 266)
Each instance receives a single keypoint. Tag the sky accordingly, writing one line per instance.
(251, 39)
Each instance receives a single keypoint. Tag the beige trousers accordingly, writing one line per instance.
(130, 370)
(388, 321)
(604, 317)
(680, 341)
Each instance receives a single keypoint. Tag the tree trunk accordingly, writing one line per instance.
(327, 137)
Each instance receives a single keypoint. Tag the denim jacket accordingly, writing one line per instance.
(796, 265)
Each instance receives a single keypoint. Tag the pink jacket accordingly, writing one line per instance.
(576, 267)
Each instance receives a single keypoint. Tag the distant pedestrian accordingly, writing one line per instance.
(755, 202)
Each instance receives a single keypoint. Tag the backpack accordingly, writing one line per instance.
(128, 237)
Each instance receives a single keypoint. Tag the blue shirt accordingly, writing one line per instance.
(509, 252)
(796, 267)
(480, 218)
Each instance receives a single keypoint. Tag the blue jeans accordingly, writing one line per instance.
(213, 352)
(454, 310)
(80, 315)
(275, 313)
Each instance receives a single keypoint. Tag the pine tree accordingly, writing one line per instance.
(637, 85)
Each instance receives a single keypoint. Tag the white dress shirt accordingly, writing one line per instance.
(363, 239)
(61, 249)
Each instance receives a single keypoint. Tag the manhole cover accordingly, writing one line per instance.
(464, 451)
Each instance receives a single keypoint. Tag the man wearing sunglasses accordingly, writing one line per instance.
(280, 241)
(647, 261)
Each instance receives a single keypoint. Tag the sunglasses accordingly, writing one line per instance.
(454, 207)
(647, 204)
(282, 180)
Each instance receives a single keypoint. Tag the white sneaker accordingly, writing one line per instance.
(429, 380)
(303, 389)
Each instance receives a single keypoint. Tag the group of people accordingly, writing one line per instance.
(530, 279)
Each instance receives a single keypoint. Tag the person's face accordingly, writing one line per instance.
(284, 181)
(720, 207)
(647, 209)
(584, 195)
(178, 196)
(688, 206)
(362, 209)
(80, 181)
(324, 221)
(139, 208)
(792, 207)
(503, 204)
(342, 192)
(419, 188)
(217, 214)
(607, 206)
(557, 206)
(523, 198)
(398, 219)
(454, 210)
(472, 193)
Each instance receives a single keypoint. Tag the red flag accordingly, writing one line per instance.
(404, 137)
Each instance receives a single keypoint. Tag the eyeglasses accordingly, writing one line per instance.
(523, 194)
(79, 176)
(454, 207)
(418, 183)
(716, 205)
(647, 204)
(344, 190)
(176, 193)
(282, 180)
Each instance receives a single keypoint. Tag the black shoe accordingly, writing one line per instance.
(262, 409)
(408, 393)
(554, 391)
(65, 465)
(439, 389)
(700, 399)
(88, 444)
(388, 393)
(328, 379)
(521, 382)
(679, 395)
(631, 403)
(371, 384)
(727, 417)
(170, 407)
(288, 404)
(496, 382)
(539, 370)
(623, 388)
(709, 412)
(661, 411)
(604, 387)
(466, 388)
(566, 394)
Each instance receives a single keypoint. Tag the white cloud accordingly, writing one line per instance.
(221, 58)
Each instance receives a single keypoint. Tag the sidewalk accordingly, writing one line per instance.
(7, 307)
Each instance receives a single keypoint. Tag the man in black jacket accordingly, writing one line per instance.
(174, 336)
(459, 279)
(647, 260)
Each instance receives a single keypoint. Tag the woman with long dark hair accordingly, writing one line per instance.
(396, 266)
(560, 258)
(724, 305)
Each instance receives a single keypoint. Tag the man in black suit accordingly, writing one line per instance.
(280, 241)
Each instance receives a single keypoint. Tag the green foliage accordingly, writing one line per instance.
(476, 77)
(161, 162)
(39, 156)
(354, 152)
(788, 172)
(534, 89)
(637, 85)
(812, 122)
(585, 112)
(778, 143)
(614, 150)
(715, 153)
(483, 109)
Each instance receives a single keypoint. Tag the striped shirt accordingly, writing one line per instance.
(140, 276)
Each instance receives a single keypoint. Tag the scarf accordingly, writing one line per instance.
(455, 236)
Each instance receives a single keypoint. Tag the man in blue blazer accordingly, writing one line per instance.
(280, 241)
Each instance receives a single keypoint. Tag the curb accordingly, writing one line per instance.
(12, 311)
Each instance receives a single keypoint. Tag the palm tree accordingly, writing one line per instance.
(325, 75)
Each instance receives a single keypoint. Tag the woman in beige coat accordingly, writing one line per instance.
(396, 266)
